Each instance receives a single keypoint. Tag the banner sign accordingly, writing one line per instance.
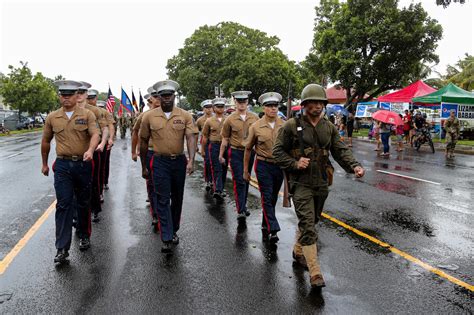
(363, 110)
(399, 108)
(385, 106)
(446, 108)
(466, 111)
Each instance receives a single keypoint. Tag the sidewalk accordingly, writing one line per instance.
(460, 149)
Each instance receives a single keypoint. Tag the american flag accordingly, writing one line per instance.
(110, 102)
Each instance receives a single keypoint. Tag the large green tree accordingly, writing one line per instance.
(463, 73)
(234, 56)
(370, 46)
(28, 92)
(446, 3)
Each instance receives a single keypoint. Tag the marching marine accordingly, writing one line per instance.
(167, 127)
(207, 109)
(302, 149)
(76, 134)
(262, 135)
(211, 145)
(153, 101)
(234, 133)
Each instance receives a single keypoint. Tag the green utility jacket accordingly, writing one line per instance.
(452, 125)
(317, 142)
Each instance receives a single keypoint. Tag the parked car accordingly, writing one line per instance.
(25, 123)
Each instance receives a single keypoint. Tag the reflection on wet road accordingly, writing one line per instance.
(223, 267)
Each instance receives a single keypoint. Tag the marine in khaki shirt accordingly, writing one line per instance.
(212, 129)
(262, 135)
(167, 134)
(236, 129)
(72, 135)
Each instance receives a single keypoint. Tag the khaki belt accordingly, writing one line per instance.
(170, 156)
(238, 148)
(74, 158)
(215, 142)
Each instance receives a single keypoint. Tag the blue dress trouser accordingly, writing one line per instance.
(95, 197)
(169, 176)
(152, 197)
(72, 178)
(219, 171)
(241, 187)
(270, 179)
(207, 165)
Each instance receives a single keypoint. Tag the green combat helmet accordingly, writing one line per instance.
(313, 92)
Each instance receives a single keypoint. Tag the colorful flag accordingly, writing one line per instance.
(110, 102)
(142, 103)
(134, 101)
(125, 103)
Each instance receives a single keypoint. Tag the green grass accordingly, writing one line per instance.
(365, 133)
(19, 132)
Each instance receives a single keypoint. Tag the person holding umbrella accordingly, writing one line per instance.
(387, 118)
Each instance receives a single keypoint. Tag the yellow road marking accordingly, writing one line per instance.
(24, 240)
(394, 250)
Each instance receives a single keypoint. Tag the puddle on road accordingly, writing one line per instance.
(405, 220)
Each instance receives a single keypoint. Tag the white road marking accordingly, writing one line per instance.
(409, 177)
(12, 155)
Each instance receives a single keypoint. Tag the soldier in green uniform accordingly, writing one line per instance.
(123, 123)
(302, 149)
(453, 128)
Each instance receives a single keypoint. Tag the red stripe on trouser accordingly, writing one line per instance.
(54, 163)
(98, 177)
(152, 162)
(212, 167)
(261, 194)
(233, 180)
(150, 178)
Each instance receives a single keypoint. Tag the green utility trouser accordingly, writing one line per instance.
(451, 139)
(309, 203)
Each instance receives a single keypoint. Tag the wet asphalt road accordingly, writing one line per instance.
(220, 267)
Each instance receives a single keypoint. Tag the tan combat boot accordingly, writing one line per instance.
(311, 254)
(298, 255)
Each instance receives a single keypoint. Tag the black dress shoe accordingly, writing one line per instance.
(96, 218)
(61, 256)
(218, 196)
(208, 187)
(84, 243)
(175, 240)
(273, 238)
(247, 213)
(167, 248)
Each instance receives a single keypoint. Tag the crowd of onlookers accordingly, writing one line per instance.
(405, 134)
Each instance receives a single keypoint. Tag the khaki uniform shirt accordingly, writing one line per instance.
(110, 118)
(99, 114)
(136, 128)
(263, 136)
(201, 121)
(212, 129)
(236, 129)
(72, 135)
(167, 134)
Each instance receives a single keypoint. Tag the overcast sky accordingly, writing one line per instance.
(127, 43)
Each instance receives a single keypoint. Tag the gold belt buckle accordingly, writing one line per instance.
(75, 158)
